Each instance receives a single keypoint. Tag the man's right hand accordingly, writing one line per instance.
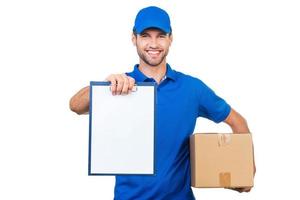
(120, 83)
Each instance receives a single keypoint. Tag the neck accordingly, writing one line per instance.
(155, 72)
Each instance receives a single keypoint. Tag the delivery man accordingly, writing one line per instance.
(181, 99)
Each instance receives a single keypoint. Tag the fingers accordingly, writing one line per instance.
(131, 83)
(254, 169)
(121, 84)
(113, 80)
(245, 189)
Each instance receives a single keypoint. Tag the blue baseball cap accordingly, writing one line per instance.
(152, 17)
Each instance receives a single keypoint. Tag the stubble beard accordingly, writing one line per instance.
(152, 63)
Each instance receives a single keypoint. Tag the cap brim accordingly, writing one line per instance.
(149, 25)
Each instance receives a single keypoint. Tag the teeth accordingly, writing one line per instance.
(153, 52)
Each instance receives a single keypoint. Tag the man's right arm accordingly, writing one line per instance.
(80, 102)
(120, 84)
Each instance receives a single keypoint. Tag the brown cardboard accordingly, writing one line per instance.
(221, 160)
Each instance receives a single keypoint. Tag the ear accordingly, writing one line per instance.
(133, 39)
(171, 38)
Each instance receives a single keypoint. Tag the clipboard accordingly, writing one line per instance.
(122, 130)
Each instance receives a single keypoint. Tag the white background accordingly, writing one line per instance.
(247, 51)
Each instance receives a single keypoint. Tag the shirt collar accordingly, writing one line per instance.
(140, 77)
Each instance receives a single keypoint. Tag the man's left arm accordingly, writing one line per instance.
(239, 125)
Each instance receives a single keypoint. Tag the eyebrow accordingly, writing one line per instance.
(160, 33)
(144, 33)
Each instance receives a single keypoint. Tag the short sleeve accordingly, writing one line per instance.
(211, 106)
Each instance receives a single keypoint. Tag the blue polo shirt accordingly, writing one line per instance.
(181, 99)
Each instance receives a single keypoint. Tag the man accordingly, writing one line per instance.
(180, 100)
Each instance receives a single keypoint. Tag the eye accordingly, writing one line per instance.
(144, 35)
(162, 36)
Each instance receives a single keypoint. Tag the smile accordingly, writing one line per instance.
(153, 52)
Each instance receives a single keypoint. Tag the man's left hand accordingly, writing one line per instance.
(245, 189)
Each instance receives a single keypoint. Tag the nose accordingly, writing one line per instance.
(153, 43)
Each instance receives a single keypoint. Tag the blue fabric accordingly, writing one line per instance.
(152, 17)
(180, 100)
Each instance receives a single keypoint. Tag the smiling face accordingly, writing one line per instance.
(152, 46)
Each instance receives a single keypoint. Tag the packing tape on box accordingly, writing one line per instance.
(224, 139)
(225, 179)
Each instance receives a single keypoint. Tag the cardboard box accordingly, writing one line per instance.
(221, 160)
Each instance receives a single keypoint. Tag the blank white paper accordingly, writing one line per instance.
(122, 131)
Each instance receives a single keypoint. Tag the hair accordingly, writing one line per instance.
(135, 33)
